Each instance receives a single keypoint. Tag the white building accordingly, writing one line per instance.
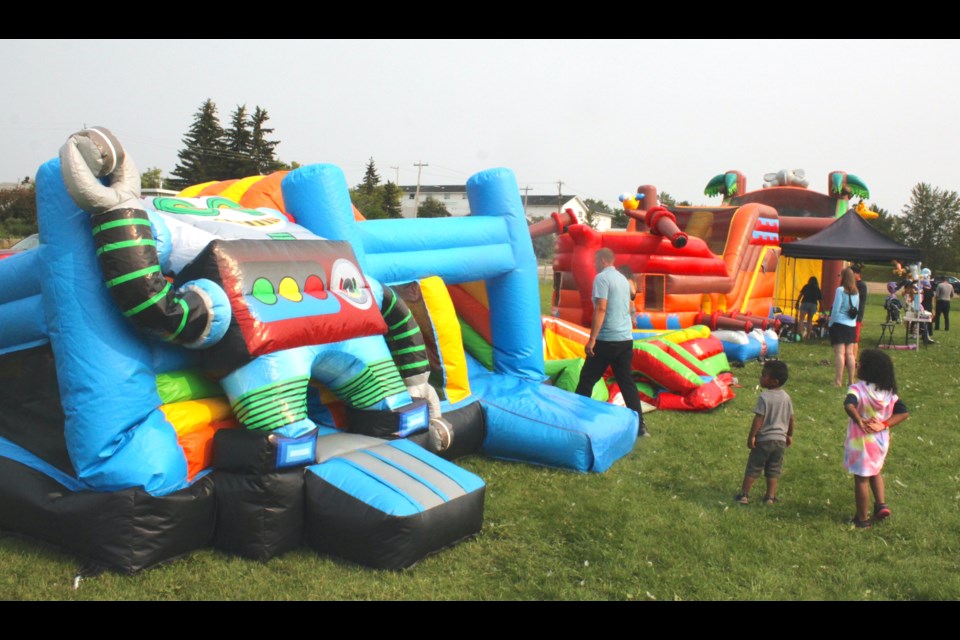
(156, 193)
(454, 198)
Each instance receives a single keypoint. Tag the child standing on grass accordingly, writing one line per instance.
(770, 434)
(874, 408)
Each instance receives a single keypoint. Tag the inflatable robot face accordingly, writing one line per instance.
(286, 294)
(286, 287)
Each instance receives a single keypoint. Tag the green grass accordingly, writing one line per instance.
(660, 524)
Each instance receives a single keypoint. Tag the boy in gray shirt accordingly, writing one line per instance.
(770, 434)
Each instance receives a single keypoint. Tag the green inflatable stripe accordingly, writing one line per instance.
(715, 365)
(565, 375)
(476, 346)
(668, 361)
(189, 384)
(685, 354)
(554, 368)
(646, 389)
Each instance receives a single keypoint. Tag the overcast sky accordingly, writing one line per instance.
(602, 116)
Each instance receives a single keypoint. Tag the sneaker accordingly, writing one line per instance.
(440, 434)
(881, 512)
(643, 433)
(741, 498)
(860, 524)
(770, 500)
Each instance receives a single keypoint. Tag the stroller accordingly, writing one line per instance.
(894, 309)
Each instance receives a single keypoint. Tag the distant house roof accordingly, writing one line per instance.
(533, 201)
(547, 201)
(154, 193)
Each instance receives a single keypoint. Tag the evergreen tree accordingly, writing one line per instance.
(202, 158)
(375, 200)
(432, 208)
(392, 198)
(370, 205)
(263, 151)
(371, 179)
(239, 142)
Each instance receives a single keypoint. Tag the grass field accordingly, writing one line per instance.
(660, 525)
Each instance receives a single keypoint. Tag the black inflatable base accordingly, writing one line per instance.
(343, 526)
(125, 530)
(259, 516)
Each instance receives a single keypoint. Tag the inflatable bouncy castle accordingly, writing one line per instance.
(803, 212)
(692, 265)
(718, 267)
(257, 375)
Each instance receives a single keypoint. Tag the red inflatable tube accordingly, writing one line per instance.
(663, 223)
(717, 320)
(764, 323)
(556, 223)
(703, 348)
(705, 397)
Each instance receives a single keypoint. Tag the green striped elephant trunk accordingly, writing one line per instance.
(126, 247)
(127, 253)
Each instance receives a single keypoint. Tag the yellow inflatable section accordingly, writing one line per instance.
(190, 415)
(563, 340)
(237, 190)
(194, 190)
(792, 275)
(449, 340)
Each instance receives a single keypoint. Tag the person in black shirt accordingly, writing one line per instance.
(809, 304)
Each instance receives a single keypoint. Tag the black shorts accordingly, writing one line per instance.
(842, 334)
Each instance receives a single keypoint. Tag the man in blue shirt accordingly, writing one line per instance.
(611, 335)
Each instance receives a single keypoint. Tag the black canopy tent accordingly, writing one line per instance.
(852, 238)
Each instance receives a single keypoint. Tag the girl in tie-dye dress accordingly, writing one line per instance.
(874, 407)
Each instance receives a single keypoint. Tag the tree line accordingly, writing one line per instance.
(930, 221)
(212, 152)
(383, 200)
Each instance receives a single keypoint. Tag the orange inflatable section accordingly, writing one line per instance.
(265, 193)
(197, 446)
(215, 188)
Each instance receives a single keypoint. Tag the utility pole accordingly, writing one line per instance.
(559, 195)
(398, 175)
(526, 191)
(416, 197)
